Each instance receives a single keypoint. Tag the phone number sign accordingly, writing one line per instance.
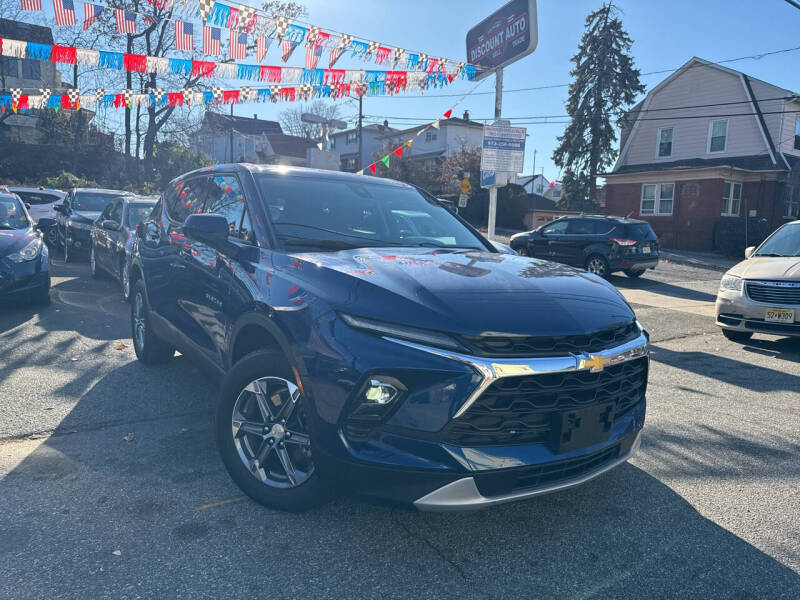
(503, 149)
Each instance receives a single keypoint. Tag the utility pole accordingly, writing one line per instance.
(533, 181)
(498, 109)
(360, 120)
(231, 160)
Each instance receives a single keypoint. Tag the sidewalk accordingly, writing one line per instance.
(702, 260)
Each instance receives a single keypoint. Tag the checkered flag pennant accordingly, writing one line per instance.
(98, 94)
(246, 94)
(159, 94)
(305, 90)
(274, 93)
(188, 95)
(15, 94)
(128, 97)
(205, 8)
(246, 14)
(397, 55)
(217, 91)
(281, 25)
(312, 34)
(459, 67)
(337, 49)
(45, 95)
(423, 62)
(371, 48)
(74, 97)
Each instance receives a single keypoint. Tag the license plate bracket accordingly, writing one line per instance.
(645, 249)
(779, 315)
(583, 427)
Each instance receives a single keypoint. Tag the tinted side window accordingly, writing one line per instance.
(580, 227)
(187, 197)
(106, 214)
(116, 211)
(557, 228)
(225, 198)
(640, 231)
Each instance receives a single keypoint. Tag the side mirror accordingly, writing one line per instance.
(27, 206)
(110, 225)
(748, 252)
(45, 223)
(208, 228)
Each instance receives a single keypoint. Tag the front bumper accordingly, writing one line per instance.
(25, 277)
(737, 312)
(640, 262)
(79, 239)
(407, 460)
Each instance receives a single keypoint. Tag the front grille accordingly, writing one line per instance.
(773, 294)
(526, 410)
(528, 346)
(510, 480)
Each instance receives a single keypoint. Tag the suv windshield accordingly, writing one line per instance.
(12, 215)
(335, 214)
(784, 242)
(94, 201)
(138, 212)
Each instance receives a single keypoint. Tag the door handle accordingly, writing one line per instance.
(176, 266)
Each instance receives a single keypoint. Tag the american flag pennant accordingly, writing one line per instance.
(31, 5)
(288, 49)
(91, 12)
(338, 49)
(211, 40)
(126, 20)
(238, 45)
(262, 45)
(150, 20)
(64, 11)
(315, 48)
(184, 36)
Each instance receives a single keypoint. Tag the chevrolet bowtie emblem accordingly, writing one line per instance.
(595, 363)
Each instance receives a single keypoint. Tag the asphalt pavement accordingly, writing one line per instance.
(111, 487)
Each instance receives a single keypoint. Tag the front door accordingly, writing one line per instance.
(547, 242)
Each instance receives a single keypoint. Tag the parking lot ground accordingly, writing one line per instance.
(111, 487)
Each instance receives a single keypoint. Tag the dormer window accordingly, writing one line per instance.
(664, 142)
(718, 136)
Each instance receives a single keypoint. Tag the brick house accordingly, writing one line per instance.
(708, 144)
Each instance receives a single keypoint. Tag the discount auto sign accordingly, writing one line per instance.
(504, 37)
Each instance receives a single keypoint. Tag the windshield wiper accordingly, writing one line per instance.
(331, 244)
(333, 231)
(773, 255)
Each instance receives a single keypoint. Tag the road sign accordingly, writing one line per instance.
(503, 149)
(462, 201)
(487, 178)
(504, 37)
(465, 186)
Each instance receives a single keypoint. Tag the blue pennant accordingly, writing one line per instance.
(110, 60)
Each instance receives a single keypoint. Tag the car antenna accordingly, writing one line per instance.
(628, 216)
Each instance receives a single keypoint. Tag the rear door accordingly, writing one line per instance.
(581, 235)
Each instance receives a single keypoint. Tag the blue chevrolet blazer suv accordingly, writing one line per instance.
(367, 337)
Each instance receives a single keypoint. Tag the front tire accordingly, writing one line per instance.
(737, 336)
(150, 349)
(634, 274)
(597, 265)
(264, 437)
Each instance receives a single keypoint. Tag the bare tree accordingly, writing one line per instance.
(292, 124)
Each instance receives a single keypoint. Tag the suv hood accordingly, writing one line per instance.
(768, 267)
(85, 215)
(465, 292)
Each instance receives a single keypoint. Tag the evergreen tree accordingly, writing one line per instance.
(604, 81)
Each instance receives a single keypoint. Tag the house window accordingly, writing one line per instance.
(431, 135)
(8, 66)
(657, 199)
(731, 199)
(797, 133)
(791, 202)
(718, 136)
(349, 164)
(664, 142)
(31, 69)
(430, 166)
(333, 143)
(352, 137)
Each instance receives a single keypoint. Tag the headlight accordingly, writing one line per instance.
(29, 252)
(412, 334)
(79, 224)
(731, 282)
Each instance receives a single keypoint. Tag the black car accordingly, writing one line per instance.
(77, 214)
(112, 237)
(597, 243)
(24, 262)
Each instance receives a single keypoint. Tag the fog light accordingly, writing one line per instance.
(380, 392)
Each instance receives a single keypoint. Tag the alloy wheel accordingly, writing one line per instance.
(270, 432)
(139, 324)
(597, 266)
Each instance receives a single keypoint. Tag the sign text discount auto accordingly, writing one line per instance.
(504, 37)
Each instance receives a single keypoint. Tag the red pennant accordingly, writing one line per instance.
(372, 167)
(448, 113)
(450, 77)
(230, 97)
(134, 62)
(64, 54)
(175, 99)
(399, 151)
(271, 74)
(203, 68)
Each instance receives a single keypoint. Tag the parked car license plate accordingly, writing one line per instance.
(645, 249)
(779, 315)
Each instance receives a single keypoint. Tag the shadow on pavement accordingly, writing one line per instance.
(624, 535)
(659, 287)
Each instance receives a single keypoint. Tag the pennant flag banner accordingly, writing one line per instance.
(91, 12)
(31, 5)
(64, 11)
(126, 20)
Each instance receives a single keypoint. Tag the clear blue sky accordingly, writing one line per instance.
(666, 34)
